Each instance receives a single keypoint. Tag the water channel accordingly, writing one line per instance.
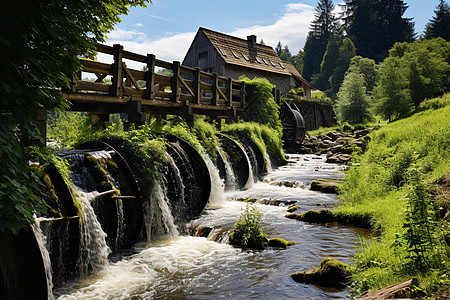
(188, 267)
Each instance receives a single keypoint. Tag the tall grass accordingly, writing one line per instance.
(381, 186)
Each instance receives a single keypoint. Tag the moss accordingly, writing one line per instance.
(99, 173)
(331, 272)
(280, 243)
(314, 216)
(293, 208)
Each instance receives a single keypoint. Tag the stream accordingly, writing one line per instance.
(188, 267)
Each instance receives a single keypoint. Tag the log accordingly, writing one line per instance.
(404, 290)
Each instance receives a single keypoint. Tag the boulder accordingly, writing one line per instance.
(328, 186)
(330, 273)
(280, 243)
(314, 216)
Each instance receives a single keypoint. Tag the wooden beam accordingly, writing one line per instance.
(175, 82)
(150, 77)
(243, 104)
(116, 88)
(197, 86)
(130, 76)
(229, 97)
(214, 89)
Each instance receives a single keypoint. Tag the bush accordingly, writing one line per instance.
(247, 232)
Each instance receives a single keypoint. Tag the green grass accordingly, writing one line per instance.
(381, 186)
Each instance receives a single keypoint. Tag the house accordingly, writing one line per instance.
(230, 56)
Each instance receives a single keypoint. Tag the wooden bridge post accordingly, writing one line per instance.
(135, 114)
(175, 85)
(149, 92)
(197, 86)
(116, 88)
(229, 91)
(243, 104)
(215, 86)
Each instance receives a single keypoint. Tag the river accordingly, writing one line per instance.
(187, 267)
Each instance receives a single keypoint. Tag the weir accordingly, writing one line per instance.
(105, 212)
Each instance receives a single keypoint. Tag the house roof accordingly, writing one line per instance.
(290, 67)
(235, 51)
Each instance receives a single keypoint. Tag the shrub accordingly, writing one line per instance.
(247, 232)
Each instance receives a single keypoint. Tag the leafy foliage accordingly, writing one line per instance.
(247, 232)
(346, 52)
(40, 42)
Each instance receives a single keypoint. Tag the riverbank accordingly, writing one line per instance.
(394, 182)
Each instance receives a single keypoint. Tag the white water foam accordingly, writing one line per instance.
(269, 162)
(229, 172)
(42, 242)
(217, 196)
(159, 222)
(93, 254)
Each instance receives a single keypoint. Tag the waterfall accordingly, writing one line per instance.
(251, 179)
(93, 253)
(42, 242)
(159, 222)
(217, 196)
(178, 178)
(120, 221)
(269, 162)
(230, 176)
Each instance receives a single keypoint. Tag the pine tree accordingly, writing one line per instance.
(346, 53)
(439, 25)
(323, 26)
(330, 59)
(376, 25)
(279, 48)
(286, 54)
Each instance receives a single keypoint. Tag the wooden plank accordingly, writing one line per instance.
(94, 98)
(92, 86)
(104, 48)
(186, 86)
(116, 88)
(160, 103)
(229, 91)
(100, 77)
(130, 91)
(134, 56)
(163, 64)
(243, 104)
(150, 77)
(162, 79)
(175, 83)
(162, 94)
(130, 77)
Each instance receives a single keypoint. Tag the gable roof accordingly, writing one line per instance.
(235, 51)
(290, 67)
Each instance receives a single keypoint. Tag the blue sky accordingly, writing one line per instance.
(166, 27)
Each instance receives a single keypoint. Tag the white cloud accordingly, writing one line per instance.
(291, 29)
(139, 25)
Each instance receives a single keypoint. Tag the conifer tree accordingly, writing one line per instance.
(279, 48)
(376, 25)
(346, 53)
(330, 59)
(323, 26)
(439, 25)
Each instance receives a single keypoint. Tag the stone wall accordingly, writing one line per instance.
(317, 113)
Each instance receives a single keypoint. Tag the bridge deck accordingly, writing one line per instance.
(187, 91)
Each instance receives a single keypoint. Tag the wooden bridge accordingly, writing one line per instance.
(189, 91)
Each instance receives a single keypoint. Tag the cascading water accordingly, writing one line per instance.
(93, 253)
(42, 242)
(159, 222)
(269, 162)
(217, 196)
(231, 181)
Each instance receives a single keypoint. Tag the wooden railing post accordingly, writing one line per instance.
(175, 82)
(229, 91)
(149, 92)
(197, 86)
(243, 94)
(215, 86)
(116, 87)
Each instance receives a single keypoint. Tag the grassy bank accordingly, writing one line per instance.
(391, 182)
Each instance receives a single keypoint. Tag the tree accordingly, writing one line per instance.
(322, 27)
(353, 103)
(279, 48)
(40, 42)
(297, 60)
(346, 52)
(391, 94)
(376, 25)
(330, 59)
(439, 25)
(367, 68)
(286, 54)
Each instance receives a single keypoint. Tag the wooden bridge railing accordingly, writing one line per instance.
(187, 91)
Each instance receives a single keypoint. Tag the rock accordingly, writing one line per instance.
(326, 185)
(404, 290)
(280, 243)
(337, 148)
(360, 133)
(293, 208)
(332, 135)
(314, 216)
(331, 273)
(334, 159)
(250, 200)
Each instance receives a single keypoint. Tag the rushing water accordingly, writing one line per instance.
(184, 267)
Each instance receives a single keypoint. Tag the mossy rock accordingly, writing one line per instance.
(329, 186)
(314, 216)
(280, 243)
(331, 273)
(293, 208)
(247, 200)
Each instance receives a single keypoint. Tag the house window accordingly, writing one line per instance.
(235, 54)
(271, 62)
(245, 57)
(203, 55)
(265, 61)
(282, 66)
(258, 60)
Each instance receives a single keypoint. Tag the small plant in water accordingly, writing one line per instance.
(247, 232)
